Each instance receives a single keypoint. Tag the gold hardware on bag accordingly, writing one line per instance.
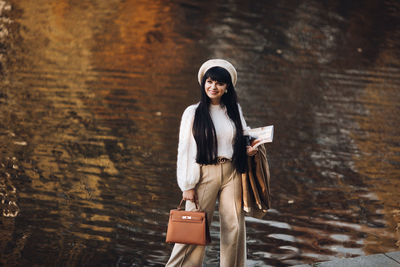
(187, 217)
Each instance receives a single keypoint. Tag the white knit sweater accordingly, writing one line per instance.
(188, 170)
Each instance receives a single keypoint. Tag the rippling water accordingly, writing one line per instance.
(91, 96)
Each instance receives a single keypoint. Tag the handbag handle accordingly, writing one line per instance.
(180, 205)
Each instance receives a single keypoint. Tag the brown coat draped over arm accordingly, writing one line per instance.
(256, 184)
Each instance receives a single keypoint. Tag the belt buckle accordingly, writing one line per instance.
(222, 160)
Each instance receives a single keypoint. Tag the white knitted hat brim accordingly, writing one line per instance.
(217, 63)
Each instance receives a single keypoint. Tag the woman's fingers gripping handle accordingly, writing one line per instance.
(190, 195)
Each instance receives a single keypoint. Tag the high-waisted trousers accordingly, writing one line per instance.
(222, 182)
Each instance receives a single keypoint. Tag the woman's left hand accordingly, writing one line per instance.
(251, 151)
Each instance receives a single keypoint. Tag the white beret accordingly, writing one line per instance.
(217, 63)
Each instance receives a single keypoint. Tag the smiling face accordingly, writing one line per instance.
(214, 90)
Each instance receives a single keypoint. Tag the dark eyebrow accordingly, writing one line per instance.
(213, 80)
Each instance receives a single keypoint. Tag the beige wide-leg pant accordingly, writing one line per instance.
(223, 182)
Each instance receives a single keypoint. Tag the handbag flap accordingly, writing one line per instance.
(187, 216)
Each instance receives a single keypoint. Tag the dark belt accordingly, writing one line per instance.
(221, 160)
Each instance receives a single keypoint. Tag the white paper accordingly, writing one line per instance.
(262, 135)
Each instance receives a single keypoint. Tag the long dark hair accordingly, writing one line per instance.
(203, 127)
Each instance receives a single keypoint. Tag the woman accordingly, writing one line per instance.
(211, 156)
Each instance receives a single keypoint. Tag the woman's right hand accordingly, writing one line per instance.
(251, 151)
(189, 195)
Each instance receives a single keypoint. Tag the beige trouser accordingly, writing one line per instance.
(223, 182)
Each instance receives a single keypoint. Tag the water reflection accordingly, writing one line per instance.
(91, 97)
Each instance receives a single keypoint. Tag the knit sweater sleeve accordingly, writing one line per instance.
(244, 124)
(188, 170)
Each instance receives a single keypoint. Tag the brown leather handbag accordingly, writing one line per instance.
(188, 227)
